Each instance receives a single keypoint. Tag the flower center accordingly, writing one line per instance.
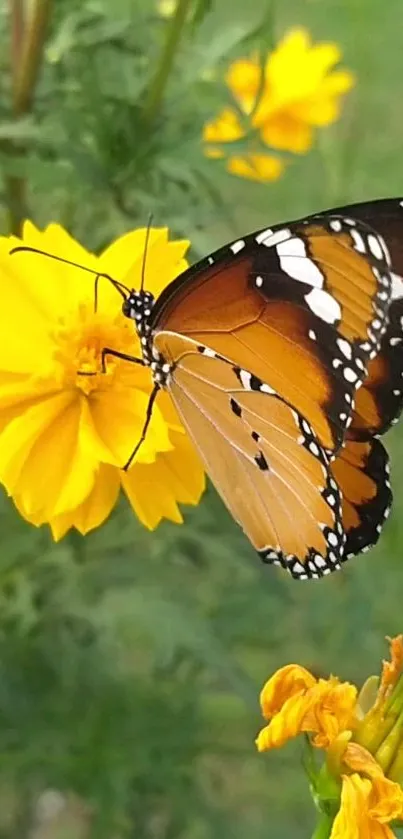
(80, 338)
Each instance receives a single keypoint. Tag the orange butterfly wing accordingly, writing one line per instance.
(379, 402)
(361, 471)
(262, 456)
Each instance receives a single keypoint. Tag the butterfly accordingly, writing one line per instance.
(276, 352)
(262, 348)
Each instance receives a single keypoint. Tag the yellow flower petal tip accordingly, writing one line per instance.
(256, 167)
(391, 670)
(366, 808)
(282, 100)
(295, 702)
(66, 426)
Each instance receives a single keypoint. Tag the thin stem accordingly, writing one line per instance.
(31, 56)
(324, 827)
(27, 44)
(158, 83)
(17, 34)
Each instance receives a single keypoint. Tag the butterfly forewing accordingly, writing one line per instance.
(302, 308)
(262, 455)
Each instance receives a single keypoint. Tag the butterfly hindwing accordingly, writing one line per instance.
(361, 470)
(263, 457)
(379, 402)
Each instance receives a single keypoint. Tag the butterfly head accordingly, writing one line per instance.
(137, 306)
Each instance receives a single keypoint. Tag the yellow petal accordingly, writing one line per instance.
(296, 68)
(176, 476)
(385, 800)
(25, 347)
(96, 507)
(351, 821)
(41, 460)
(323, 106)
(297, 703)
(359, 759)
(52, 289)
(391, 670)
(214, 153)
(286, 682)
(115, 425)
(226, 128)
(287, 133)
(256, 167)
(125, 258)
(286, 723)
(243, 78)
(20, 392)
(332, 711)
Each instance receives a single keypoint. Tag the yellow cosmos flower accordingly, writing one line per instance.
(294, 702)
(282, 99)
(64, 436)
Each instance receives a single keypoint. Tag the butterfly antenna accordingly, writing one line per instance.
(122, 289)
(143, 264)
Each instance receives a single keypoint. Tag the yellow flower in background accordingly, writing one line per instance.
(295, 702)
(65, 436)
(362, 778)
(299, 90)
(255, 167)
(366, 808)
(369, 800)
(281, 100)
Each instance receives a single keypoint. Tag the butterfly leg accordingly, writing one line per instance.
(116, 354)
(145, 427)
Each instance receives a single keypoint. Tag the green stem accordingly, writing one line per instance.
(324, 827)
(158, 83)
(31, 56)
(27, 45)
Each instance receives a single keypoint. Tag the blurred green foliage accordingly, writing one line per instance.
(130, 663)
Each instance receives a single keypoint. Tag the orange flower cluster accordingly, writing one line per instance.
(278, 103)
(364, 745)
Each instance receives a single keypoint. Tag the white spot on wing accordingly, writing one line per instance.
(237, 246)
(350, 375)
(397, 286)
(209, 352)
(359, 243)
(296, 264)
(245, 378)
(322, 304)
(375, 246)
(268, 238)
(345, 347)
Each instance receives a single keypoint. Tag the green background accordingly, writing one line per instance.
(131, 662)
